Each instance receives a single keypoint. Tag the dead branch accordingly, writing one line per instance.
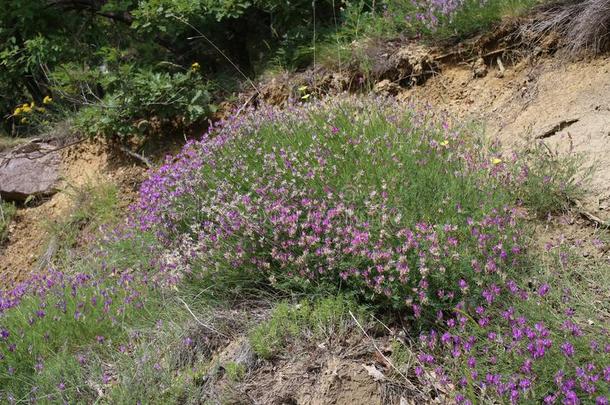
(136, 156)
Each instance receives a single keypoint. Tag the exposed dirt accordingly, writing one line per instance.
(321, 380)
(563, 104)
(349, 372)
(86, 163)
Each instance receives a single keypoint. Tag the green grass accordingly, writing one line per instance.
(7, 142)
(322, 319)
(7, 212)
(56, 331)
(365, 21)
(150, 370)
(235, 371)
(553, 183)
(585, 279)
(79, 334)
(63, 337)
(92, 207)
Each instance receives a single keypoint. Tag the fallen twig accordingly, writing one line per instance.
(589, 216)
(210, 328)
(248, 101)
(47, 257)
(136, 156)
(385, 358)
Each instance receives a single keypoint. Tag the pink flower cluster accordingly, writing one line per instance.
(310, 207)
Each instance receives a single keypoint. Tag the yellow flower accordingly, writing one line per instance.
(32, 104)
(41, 109)
(17, 111)
(305, 97)
(26, 108)
(47, 100)
(24, 120)
(195, 67)
(445, 143)
(496, 161)
(303, 88)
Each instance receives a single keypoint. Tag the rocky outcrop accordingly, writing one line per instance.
(29, 170)
(408, 65)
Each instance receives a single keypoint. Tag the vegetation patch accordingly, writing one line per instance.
(156, 67)
(93, 206)
(318, 197)
(7, 211)
(356, 206)
(400, 208)
(323, 319)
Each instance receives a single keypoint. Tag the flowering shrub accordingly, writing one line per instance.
(354, 194)
(516, 351)
(438, 19)
(399, 207)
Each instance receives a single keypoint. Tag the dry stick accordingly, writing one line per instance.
(46, 259)
(313, 6)
(248, 101)
(589, 216)
(492, 53)
(201, 323)
(377, 348)
(136, 156)
(501, 65)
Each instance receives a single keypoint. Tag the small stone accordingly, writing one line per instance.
(480, 68)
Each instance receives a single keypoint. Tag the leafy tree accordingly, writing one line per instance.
(83, 52)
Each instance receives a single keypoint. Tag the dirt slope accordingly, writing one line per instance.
(564, 104)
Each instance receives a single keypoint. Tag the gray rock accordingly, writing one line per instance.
(29, 170)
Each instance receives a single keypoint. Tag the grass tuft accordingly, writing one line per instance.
(7, 212)
(93, 206)
(582, 26)
(322, 319)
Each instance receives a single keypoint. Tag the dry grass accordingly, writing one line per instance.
(9, 142)
(583, 26)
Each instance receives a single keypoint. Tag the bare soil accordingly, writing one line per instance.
(317, 373)
(563, 104)
(87, 163)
